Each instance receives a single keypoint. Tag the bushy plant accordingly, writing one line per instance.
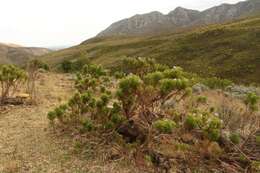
(69, 66)
(251, 101)
(165, 125)
(51, 116)
(202, 100)
(174, 73)
(213, 134)
(88, 125)
(207, 122)
(127, 93)
(130, 84)
(153, 78)
(11, 77)
(212, 128)
(168, 85)
(235, 138)
(193, 121)
(119, 75)
(66, 66)
(257, 138)
(217, 83)
(138, 66)
(94, 70)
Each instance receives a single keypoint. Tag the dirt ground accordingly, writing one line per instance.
(28, 143)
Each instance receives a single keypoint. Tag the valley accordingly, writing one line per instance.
(15, 54)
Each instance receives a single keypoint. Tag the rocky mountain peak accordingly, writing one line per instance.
(156, 22)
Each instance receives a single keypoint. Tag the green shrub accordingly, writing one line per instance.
(117, 119)
(66, 66)
(174, 73)
(202, 99)
(214, 123)
(192, 122)
(138, 66)
(210, 124)
(11, 77)
(105, 98)
(88, 125)
(130, 84)
(235, 138)
(217, 83)
(51, 115)
(153, 78)
(212, 128)
(119, 75)
(165, 125)
(109, 125)
(168, 85)
(59, 112)
(257, 138)
(213, 134)
(251, 101)
(95, 71)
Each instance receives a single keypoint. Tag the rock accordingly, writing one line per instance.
(199, 88)
(240, 92)
(132, 132)
(22, 96)
(169, 104)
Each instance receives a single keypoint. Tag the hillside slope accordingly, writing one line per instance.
(229, 51)
(13, 54)
(155, 22)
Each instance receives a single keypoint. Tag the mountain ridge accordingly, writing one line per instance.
(229, 50)
(18, 55)
(155, 22)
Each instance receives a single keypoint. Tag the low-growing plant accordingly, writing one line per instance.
(165, 125)
(11, 77)
(127, 93)
(168, 85)
(217, 83)
(251, 101)
(153, 78)
(235, 138)
(88, 125)
(207, 122)
(193, 121)
(257, 139)
(202, 100)
(70, 66)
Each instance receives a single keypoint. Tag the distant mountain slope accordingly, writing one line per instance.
(227, 50)
(155, 22)
(13, 54)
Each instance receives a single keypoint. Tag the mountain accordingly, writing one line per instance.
(15, 54)
(155, 22)
(228, 50)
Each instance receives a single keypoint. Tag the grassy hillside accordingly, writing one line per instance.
(14, 54)
(230, 50)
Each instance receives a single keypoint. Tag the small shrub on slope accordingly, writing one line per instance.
(165, 125)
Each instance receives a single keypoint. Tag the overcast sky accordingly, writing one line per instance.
(67, 22)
